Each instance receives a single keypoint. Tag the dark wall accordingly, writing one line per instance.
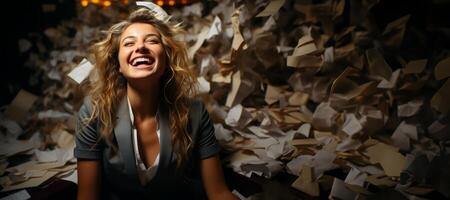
(18, 20)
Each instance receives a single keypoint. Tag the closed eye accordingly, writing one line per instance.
(128, 44)
(152, 41)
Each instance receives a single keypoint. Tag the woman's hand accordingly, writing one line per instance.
(213, 180)
(89, 179)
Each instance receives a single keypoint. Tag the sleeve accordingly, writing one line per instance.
(207, 144)
(87, 141)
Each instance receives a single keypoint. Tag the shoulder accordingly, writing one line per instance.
(198, 112)
(197, 105)
(199, 118)
(86, 106)
(85, 109)
(203, 132)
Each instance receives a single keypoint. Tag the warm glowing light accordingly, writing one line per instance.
(84, 3)
(106, 3)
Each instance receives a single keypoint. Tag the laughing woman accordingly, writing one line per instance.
(140, 135)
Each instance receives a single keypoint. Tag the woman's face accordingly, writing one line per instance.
(141, 52)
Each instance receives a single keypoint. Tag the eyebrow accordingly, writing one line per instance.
(146, 36)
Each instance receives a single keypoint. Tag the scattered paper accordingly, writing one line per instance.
(12, 147)
(65, 140)
(201, 38)
(415, 66)
(215, 29)
(442, 69)
(73, 177)
(390, 159)
(240, 89)
(409, 109)
(11, 127)
(53, 114)
(32, 182)
(381, 180)
(222, 134)
(238, 117)
(158, 11)
(348, 144)
(305, 46)
(298, 99)
(441, 98)
(272, 94)
(194, 9)
(203, 85)
(351, 125)
(238, 39)
(219, 78)
(18, 109)
(81, 72)
(356, 177)
(303, 142)
(340, 191)
(238, 195)
(324, 117)
(392, 82)
(46, 156)
(377, 64)
(24, 45)
(305, 129)
(393, 33)
(306, 182)
(272, 8)
(20, 195)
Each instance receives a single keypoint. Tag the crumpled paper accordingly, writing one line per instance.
(292, 86)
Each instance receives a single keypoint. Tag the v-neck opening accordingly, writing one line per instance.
(146, 173)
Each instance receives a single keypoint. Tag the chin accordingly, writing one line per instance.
(145, 75)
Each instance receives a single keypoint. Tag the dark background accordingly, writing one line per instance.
(19, 18)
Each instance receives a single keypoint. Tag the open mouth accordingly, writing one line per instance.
(142, 60)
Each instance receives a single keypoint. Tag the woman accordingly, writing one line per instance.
(140, 135)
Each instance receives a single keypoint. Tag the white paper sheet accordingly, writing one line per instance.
(215, 29)
(82, 71)
(203, 85)
(351, 125)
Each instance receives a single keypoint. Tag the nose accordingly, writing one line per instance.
(141, 48)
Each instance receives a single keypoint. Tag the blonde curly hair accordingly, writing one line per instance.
(178, 82)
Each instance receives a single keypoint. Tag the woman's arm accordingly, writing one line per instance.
(213, 180)
(89, 179)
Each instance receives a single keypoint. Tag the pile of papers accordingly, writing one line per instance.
(30, 156)
(291, 86)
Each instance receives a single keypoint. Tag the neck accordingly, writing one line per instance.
(144, 99)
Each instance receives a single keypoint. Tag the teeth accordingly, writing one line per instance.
(143, 59)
